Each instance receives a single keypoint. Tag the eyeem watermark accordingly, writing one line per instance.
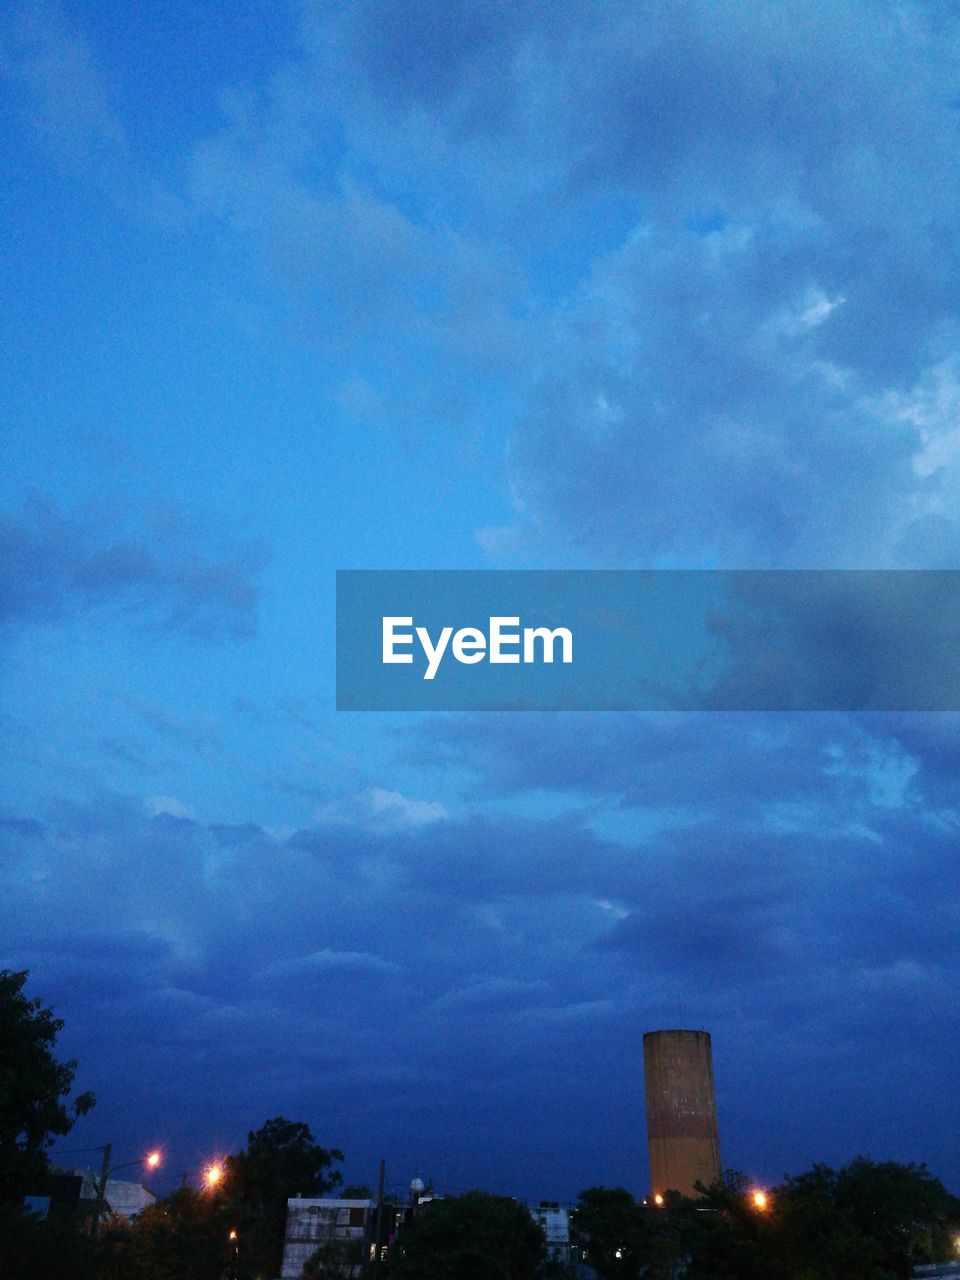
(503, 641)
(690, 640)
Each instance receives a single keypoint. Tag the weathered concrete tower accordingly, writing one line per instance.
(681, 1111)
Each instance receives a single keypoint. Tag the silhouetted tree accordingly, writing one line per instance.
(281, 1159)
(470, 1237)
(609, 1226)
(34, 1088)
(867, 1221)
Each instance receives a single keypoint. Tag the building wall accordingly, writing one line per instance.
(128, 1198)
(124, 1198)
(315, 1222)
(555, 1221)
(681, 1111)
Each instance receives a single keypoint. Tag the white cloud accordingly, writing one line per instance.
(882, 768)
(494, 993)
(809, 312)
(170, 805)
(932, 406)
(327, 960)
(379, 810)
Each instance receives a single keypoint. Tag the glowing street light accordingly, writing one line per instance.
(152, 1159)
(213, 1174)
(759, 1200)
(658, 1200)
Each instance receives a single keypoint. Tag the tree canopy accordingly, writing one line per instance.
(34, 1088)
(866, 1221)
(281, 1159)
(470, 1237)
(184, 1237)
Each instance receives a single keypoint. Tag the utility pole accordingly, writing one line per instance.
(101, 1189)
(379, 1240)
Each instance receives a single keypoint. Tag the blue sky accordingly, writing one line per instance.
(292, 288)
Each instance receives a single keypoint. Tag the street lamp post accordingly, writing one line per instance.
(152, 1160)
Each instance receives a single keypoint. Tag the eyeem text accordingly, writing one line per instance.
(504, 641)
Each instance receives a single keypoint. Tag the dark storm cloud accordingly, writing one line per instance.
(501, 955)
(730, 907)
(737, 765)
(108, 966)
(53, 565)
(813, 641)
(486, 859)
(789, 858)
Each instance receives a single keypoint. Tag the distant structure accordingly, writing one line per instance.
(126, 1199)
(343, 1233)
(555, 1221)
(681, 1111)
(79, 1187)
(340, 1230)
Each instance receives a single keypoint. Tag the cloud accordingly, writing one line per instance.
(848, 640)
(708, 262)
(70, 106)
(328, 962)
(26, 827)
(66, 96)
(154, 806)
(674, 764)
(495, 995)
(379, 810)
(778, 301)
(697, 276)
(417, 946)
(54, 565)
(712, 264)
(681, 419)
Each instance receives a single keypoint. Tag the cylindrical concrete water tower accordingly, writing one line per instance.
(681, 1112)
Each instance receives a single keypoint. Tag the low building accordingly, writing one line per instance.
(555, 1222)
(342, 1229)
(126, 1199)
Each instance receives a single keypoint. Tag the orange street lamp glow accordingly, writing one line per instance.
(213, 1174)
(153, 1159)
(759, 1199)
(658, 1199)
(232, 1235)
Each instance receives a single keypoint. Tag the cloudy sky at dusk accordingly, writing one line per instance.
(452, 284)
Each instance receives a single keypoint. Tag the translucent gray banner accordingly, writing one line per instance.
(776, 640)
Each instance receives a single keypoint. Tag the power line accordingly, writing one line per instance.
(72, 1151)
